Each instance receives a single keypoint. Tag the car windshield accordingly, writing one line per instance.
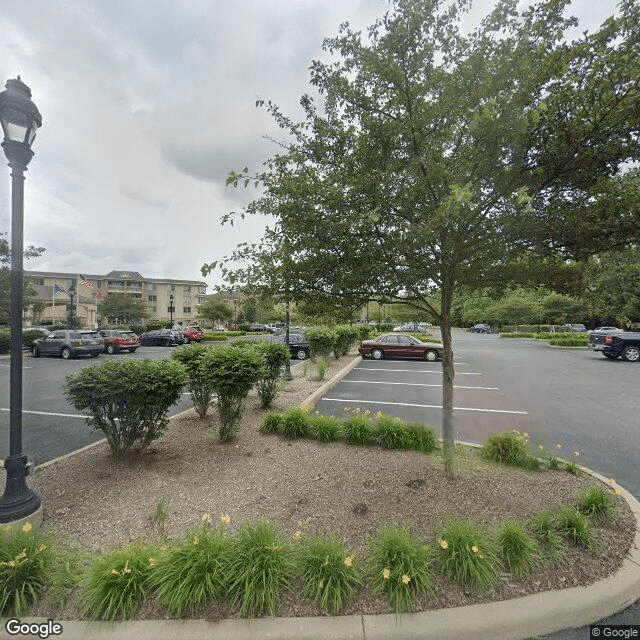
(127, 334)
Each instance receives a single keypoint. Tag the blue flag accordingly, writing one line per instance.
(57, 289)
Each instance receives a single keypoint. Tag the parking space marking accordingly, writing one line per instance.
(439, 371)
(47, 413)
(416, 384)
(426, 406)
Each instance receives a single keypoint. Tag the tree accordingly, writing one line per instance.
(123, 306)
(445, 162)
(216, 311)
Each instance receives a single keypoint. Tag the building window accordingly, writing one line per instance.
(151, 286)
(39, 280)
(115, 286)
(153, 298)
(153, 308)
(186, 309)
(187, 295)
(173, 287)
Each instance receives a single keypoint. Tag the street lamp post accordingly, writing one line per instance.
(287, 367)
(171, 308)
(235, 312)
(20, 120)
(72, 320)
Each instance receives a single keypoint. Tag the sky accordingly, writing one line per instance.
(147, 105)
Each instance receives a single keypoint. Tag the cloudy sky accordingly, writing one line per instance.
(147, 105)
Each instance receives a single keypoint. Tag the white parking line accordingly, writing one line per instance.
(412, 384)
(426, 406)
(458, 373)
(47, 413)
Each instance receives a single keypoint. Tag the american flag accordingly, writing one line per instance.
(83, 281)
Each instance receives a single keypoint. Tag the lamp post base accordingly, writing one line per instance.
(18, 501)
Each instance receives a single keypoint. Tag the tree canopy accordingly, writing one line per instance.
(123, 306)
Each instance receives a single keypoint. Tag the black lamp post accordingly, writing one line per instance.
(72, 319)
(235, 312)
(20, 120)
(171, 308)
(287, 367)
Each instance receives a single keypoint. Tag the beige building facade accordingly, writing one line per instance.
(53, 290)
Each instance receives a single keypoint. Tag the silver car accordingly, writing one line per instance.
(69, 343)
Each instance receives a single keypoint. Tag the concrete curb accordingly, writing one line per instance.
(318, 393)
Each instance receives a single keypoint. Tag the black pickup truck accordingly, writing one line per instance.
(625, 344)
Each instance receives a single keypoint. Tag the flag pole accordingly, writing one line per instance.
(53, 313)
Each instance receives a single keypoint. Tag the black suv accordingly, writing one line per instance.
(481, 328)
(298, 346)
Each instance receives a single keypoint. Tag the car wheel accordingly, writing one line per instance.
(631, 354)
(377, 354)
(65, 354)
(132, 350)
(430, 355)
(301, 354)
(611, 356)
(95, 355)
(110, 349)
(35, 351)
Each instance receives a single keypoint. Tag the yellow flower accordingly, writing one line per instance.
(196, 540)
(225, 519)
(206, 518)
(474, 549)
(126, 568)
(297, 535)
(367, 412)
(348, 561)
(7, 528)
(163, 549)
(576, 453)
(357, 410)
(406, 579)
(27, 527)
(525, 434)
(114, 572)
(12, 563)
(444, 544)
(612, 480)
(305, 408)
(618, 492)
(22, 555)
(152, 563)
(379, 414)
(540, 447)
(41, 548)
(386, 574)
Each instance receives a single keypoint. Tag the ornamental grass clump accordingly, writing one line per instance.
(195, 572)
(25, 567)
(322, 366)
(296, 423)
(400, 566)
(597, 503)
(510, 447)
(466, 554)
(421, 438)
(544, 528)
(518, 550)
(575, 527)
(261, 564)
(271, 423)
(358, 430)
(391, 433)
(199, 385)
(115, 584)
(325, 428)
(329, 572)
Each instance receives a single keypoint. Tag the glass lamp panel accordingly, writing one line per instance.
(15, 125)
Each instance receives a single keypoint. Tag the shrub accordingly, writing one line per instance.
(346, 335)
(232, 372)
(573, 468)
(116, 583)
(391, 433)
(25, 563)
(138, 328)
(5, 340)
(364, 331)
(261, 563)
(507, 447)
(296, 423)
(321, 340)
(575, 527)
(128, 399)
(544, 528)
(272, 423)
(597, 503)
(358, 430)
(29, 335)
(399, 566)
(329, 572)
(466, 555)
(519, 334)
(420, 437)
(193, 573)
(200, 387)
(518, 549)
(325, 428)
(323, 365)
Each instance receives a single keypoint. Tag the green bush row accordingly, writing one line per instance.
(250, 569)
(338, 340)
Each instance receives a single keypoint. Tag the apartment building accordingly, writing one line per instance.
(54, 289)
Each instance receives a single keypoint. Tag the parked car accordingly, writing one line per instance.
(298, 346)
(116, 340)
(574, 327)
(408, 326)
(68, 343)
(158, 337)
(178, 335)
(622, 343)
(598, 335)
(481, 328)
(395, 344)
(193, 334)
(257, 326)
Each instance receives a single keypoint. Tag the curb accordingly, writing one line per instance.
(318, 393)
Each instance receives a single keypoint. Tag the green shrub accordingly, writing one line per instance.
(507, 447)
(597, 503)
(5, 340)
(193, 573)
(29, 335)
(575, 527)
(323, 365)
(200, 387)
(232, 372)
(391, 433)
(261, 564)
(420, 437)
(573, 468)
(275, 356)
(518, 334)
(296, 423)
(358, 430)
(138, 328)
(364, 331)
(466, 554)
(517, 548)
(400, 567)
(329, 572)
(272, 423)
(553, 462)
(127, 400)
(25, 567)
(346, 336)
(322, 341)
(544, 528)
(115, 584)
(325, 428)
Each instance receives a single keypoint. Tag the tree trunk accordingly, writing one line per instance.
(448, 441)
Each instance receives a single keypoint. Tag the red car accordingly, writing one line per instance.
(116, 341)
(393, 345)
(193, 334)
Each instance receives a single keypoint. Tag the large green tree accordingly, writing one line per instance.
(439, 160)
(123, 306)
(216, 311)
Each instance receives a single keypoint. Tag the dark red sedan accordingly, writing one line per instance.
(392, 345)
